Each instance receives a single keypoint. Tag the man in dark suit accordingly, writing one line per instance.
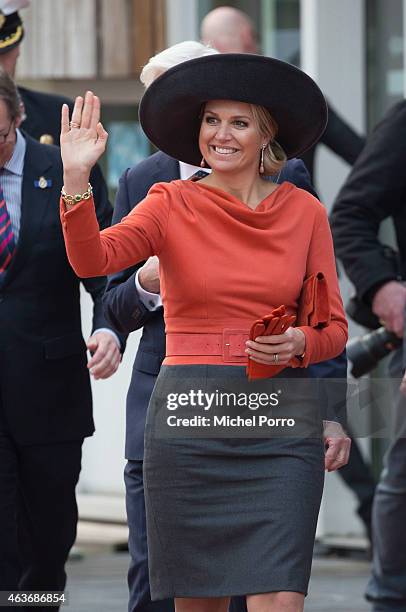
(45, 395)
(374, 191)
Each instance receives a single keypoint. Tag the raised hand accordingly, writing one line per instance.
(83, 139)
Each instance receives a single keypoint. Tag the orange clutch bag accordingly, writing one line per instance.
(313, 310)
(314, 303)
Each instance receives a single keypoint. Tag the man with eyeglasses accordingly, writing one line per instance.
(45, 395)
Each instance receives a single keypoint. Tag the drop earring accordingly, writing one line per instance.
(203, 163)
(261, 165)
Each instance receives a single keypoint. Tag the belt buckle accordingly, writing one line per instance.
(234, 345)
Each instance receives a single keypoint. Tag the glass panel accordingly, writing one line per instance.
(385, 86)
(276, 23)
(384, 56)
(127, 145)
(280, 36)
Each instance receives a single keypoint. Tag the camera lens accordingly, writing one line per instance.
(366, 351)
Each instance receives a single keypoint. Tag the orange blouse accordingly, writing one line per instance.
(222, 264)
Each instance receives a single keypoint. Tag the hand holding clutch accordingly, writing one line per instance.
(313, 311)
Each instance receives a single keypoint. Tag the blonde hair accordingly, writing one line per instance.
(181, 52)
(274, 155)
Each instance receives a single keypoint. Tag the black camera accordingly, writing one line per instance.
(366, 351)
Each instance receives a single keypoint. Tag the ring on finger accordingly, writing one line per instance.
(276, 358)
(74, 125)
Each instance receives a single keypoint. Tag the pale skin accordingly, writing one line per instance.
(106, 355)
(389, 305)
(230, 142)
(228, 30)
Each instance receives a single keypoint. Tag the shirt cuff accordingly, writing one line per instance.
(109, 331)
(151, 301)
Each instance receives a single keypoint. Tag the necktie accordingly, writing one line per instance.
(7, 244)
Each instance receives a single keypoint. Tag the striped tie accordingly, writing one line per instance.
(7, 244)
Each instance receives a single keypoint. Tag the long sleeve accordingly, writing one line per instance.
(123, 306)
(340, 137)
(374, 191)
(139, 235)
(330, 341)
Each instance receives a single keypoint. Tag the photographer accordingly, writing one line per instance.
(374, 191)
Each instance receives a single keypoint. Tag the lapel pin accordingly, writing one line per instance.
(46, 139)
(43, 183)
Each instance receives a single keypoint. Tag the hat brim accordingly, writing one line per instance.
(11, 31)
(171, 107)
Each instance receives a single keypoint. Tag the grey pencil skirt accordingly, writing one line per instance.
(227, 514)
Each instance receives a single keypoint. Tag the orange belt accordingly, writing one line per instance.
(230, 344)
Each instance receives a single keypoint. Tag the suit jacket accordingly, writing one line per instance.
(44, 382)
(124, 309)
(43, 113)
(374, 191)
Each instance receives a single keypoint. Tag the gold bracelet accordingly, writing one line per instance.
(75, 199)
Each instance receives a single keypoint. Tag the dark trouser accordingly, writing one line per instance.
(387, 586)
(138, 580)
(38, 513)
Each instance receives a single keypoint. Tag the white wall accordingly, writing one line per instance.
(103, 454)
(333, 52)
(181, 21)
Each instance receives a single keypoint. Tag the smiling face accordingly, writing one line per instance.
(229, 138)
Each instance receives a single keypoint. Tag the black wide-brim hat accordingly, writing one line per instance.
(11, 31)
(170, 110)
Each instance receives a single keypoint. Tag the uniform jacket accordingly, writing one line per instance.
(43, 113)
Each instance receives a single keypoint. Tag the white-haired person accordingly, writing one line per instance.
(225, 516)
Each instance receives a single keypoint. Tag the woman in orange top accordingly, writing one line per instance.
(227, 514)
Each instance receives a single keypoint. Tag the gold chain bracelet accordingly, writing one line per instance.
(75, 199)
